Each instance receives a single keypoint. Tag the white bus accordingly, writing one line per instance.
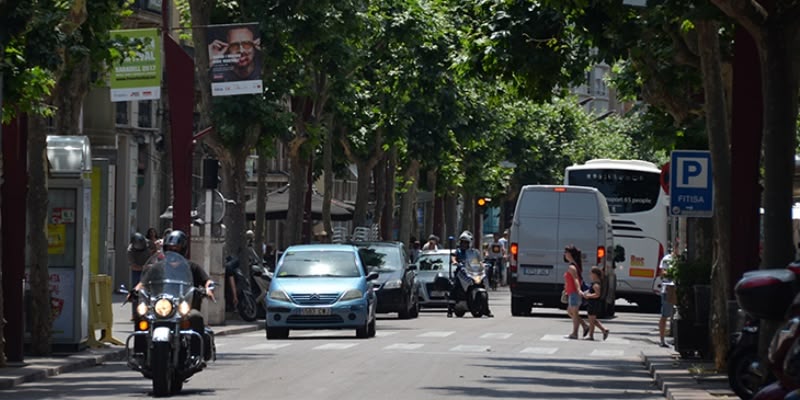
(639, 217)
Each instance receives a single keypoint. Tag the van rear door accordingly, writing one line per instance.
(537, 214)
(579, 225)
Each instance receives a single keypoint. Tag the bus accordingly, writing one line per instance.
(639, 217)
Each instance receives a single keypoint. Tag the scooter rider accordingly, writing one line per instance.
(177, 242)
(464, 254)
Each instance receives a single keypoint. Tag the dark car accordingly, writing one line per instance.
(396, 286)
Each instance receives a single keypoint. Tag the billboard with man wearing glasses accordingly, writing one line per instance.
(235, 59)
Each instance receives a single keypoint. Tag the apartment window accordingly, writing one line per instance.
(145, 117)
(122, 113)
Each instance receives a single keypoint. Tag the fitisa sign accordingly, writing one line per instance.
(691, 189)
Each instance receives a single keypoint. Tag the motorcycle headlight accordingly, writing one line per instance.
(141, 309)
(184, 308)
(477, 279)
(278, 295)
(352, 294)
(163, 308)
(393, 284)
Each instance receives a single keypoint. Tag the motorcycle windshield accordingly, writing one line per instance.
(167, 274)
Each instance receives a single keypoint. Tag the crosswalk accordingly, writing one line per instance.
(433, 341)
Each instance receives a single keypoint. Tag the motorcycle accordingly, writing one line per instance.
(166, 347)
(493, 271)
(745, 372)
(466, 290)
(775, 295)
(250, 292)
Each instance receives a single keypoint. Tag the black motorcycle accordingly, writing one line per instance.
(746, 375)
(166, 348)
(466, 290)
(250, 291)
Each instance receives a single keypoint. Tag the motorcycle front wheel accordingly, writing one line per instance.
(743, 381)
(247, 307)
(162, 370)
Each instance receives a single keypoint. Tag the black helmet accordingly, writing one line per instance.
(138, 242)
(176, 241)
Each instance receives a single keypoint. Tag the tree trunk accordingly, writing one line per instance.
(431, 207)
(780, 85)
(468, 214)
(297, 192)
(2, 315)
(389, 195)
(408, 200)
(438, 216)
(68, 98)
(261, 199)
(40, 312)
(201, 17)
(327, 161)
(719, 143)
(451, 217)
(379, 172)
(362, 193)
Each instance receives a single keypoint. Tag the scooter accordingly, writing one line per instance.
(466, 290)
(250, 291)
(775, 295)
(493, 269)
(746, 374)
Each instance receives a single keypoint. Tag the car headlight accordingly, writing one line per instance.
(184, 308)
(278, 295)
(163, 308)
(393, 284)
(352, 294)
(141, 309)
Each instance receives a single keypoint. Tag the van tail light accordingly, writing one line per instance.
(658, 261)
(514, 257)
(601, 253)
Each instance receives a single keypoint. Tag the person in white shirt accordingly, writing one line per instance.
(432, 243)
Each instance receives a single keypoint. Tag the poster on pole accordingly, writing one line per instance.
(235, 59)
(138, 75)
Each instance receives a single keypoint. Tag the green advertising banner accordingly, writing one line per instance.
(138, 77)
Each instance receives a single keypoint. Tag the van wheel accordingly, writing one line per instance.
(520, 306)
(608, 311)
(650, 305)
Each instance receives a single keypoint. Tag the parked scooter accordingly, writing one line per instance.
(773, 295)
(746, 374)
(166, 347)
(250, 291)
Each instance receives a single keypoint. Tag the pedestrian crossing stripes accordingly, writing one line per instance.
(495, 335)
(471, 349)
(267, 346)
(539, 350)
(607, 353)
(438, 334)
(336, 346)
(404, 346)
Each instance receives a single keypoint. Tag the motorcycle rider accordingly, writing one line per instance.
(177, 242)
(464, 254)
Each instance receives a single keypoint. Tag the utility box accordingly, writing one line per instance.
(69, 213)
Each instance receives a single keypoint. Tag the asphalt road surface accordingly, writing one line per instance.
(432, 357)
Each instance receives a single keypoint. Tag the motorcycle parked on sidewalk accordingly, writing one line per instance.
(250, 290)
(166, 347)
(466, 290)
(775, 295)
(746, 375)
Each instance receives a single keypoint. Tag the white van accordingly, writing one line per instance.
(546, 220)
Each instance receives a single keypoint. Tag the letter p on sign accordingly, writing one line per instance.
(692, 173)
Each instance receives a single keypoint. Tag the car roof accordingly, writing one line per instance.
(376, 243)
(321, 247)
(440, 251)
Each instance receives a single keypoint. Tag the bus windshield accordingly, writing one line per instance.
(626, 191)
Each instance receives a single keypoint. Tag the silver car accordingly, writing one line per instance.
(429, 265)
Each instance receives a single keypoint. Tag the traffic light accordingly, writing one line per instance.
(483, 201)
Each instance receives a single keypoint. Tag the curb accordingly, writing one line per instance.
(31, 372)
(676, 382)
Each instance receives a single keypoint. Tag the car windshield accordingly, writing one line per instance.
(168, 273)
(381, 258)
(305, 264)
(433, 262)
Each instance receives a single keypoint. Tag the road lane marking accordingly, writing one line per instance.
(496, 335)
(555, 338)
(439, 334)
(607, 353)
(540, 350)
(335, 346)
(267, 346)
(614, 340)
(404, 346)
(465, 348)
(385, 333)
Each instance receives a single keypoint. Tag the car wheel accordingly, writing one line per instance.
(363, 332)
(371, 329)
(415, 310)
(518, 305)
(405, 311)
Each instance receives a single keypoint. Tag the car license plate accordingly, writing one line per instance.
(316, 311)
(537, 271)
(437, 293)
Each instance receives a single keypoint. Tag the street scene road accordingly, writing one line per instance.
(431, 357)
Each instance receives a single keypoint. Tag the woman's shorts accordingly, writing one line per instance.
(574, 300)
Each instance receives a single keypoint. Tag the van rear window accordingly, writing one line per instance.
(535, 203)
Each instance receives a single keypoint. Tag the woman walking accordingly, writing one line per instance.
(572, 287)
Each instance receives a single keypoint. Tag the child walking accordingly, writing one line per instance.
(594, 303)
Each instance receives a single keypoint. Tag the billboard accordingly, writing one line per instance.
(235, 59)
(138, 77)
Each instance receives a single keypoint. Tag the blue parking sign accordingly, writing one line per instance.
(691, 192)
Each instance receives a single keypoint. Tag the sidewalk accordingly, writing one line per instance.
(681, 379)
(39, 368)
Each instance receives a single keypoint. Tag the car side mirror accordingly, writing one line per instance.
(619, 253)
(412, 267)
(372, 276)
